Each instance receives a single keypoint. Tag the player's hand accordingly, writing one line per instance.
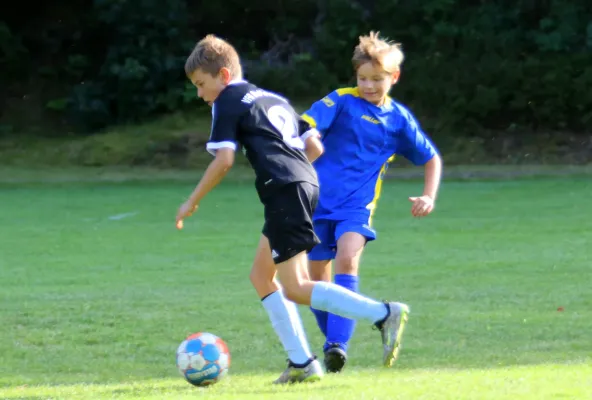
(185, 211)
(422, 206)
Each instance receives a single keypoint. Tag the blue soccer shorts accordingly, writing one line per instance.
(329, 232)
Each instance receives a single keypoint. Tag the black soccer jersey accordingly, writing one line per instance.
(268, 130)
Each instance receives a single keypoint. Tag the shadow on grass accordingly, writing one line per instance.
(167, 389)
(261, 382)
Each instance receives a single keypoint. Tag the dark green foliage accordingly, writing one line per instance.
(471, 66)
(141, 69)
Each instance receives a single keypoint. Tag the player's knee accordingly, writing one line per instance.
(316, 275)
(346, 263)
(295, 292)
(320, 270)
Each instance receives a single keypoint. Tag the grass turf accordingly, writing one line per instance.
(97, 289)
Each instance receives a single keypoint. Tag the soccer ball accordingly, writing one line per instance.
(203, 359)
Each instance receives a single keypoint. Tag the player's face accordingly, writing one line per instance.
(374, 82)
(208, 86)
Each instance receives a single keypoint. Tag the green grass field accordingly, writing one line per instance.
(97, 289)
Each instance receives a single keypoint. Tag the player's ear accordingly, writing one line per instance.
(395, 77)
(225, 75)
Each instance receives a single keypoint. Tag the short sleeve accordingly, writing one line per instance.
(322, 113)
(306, 130)
(225, 123)
(415, 145)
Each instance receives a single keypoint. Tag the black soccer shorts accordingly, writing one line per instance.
(288, 220)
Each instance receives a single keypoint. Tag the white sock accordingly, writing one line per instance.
(286, 322)
(335, 299)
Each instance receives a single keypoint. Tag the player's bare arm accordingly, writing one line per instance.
(313, 147)
(424, 205)
(214, 174)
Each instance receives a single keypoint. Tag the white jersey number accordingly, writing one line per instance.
(283, 121)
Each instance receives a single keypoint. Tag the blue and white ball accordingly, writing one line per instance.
(203, 359)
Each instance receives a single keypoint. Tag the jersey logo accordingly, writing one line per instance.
(255, 94)
(370, 119)
(328, 102)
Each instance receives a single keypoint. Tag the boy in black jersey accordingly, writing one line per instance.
(280, 147)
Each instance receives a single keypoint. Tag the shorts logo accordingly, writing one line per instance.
(274, 254)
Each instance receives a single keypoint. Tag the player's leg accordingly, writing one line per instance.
(315, 267)
(352, 237)
(320, 270)
(319, 266)
(389, 318)
(263, 271)
(295, 236)
(283, 314)
(326, 296)
(302, 365)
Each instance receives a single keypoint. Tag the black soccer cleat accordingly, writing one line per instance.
(335, 358)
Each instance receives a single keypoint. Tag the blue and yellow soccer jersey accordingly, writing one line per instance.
(360, 140)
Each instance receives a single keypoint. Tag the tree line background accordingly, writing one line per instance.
(472, 66)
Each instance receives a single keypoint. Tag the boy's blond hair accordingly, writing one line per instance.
(211, 54)
(379, 52)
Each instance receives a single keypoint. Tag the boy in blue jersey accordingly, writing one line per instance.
(362, 129)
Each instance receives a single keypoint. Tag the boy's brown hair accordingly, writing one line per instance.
(378, 51)
(211, 54)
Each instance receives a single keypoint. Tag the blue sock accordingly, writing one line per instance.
(340, 329)
(321, 317)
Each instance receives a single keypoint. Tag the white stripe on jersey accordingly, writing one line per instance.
(211, 147)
